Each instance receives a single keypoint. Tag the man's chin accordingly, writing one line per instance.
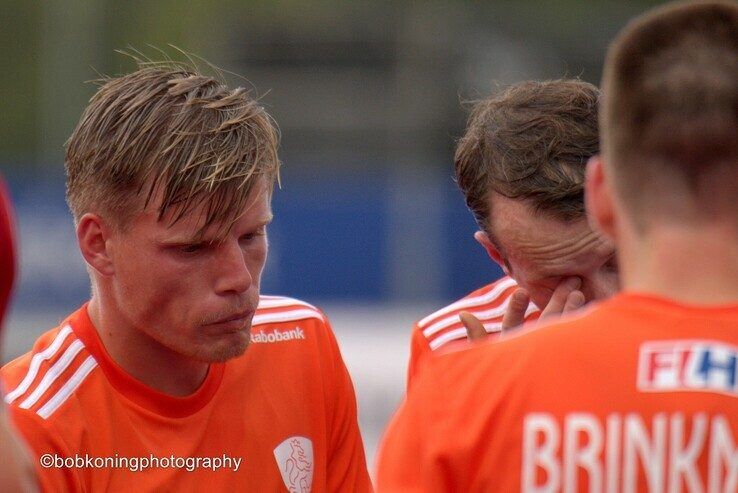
(222, 351)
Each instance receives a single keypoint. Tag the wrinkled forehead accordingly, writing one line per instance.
(538, 239)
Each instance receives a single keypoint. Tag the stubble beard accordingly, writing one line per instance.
(221, 351)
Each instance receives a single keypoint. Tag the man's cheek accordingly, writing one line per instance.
(256, 265)
(164, 290)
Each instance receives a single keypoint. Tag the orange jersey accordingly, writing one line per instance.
(437, 330)
(636, 394)
(281, 417)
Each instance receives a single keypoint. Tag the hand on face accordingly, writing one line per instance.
(566, 298)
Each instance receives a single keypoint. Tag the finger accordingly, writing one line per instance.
(474, 328)
(515, 312)
(558, 299)
(574, 301)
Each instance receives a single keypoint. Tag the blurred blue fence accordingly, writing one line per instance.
(347, 235)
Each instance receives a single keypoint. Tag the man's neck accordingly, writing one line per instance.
(697, 264)
(141, 356)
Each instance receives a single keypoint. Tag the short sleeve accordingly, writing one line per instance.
(347, 470)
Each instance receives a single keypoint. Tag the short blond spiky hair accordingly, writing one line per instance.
(168, 128)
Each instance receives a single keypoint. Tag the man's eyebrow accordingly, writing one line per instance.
(263, 222)
(181, 240)
(187, 239)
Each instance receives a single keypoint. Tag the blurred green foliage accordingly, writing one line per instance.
(51, 47)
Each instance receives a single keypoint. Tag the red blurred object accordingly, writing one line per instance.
(7, 249)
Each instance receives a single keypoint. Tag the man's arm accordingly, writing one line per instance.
(16, 471)
(42, 442)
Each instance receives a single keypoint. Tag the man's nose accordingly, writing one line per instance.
(233, 273)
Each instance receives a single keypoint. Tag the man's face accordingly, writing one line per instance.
(193, 296)
(539, 251)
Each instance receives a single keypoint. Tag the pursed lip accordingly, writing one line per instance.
(236, 317)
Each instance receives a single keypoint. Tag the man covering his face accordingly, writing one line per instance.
(521, 168)
(639, 392)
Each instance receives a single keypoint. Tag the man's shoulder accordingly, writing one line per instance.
(529, 352)
(44, 378)
(281, 318)
(487, 303)
(275, 309)
(47, 350)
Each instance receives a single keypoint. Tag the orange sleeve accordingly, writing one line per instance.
(347, 469)
(43, 441)
(419, 352)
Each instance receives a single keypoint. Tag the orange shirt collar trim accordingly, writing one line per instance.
(655, 300)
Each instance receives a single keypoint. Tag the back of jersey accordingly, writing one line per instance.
(641, 398)
(638, 394)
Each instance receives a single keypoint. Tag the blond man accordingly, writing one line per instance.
(149, 385)
(639, 393)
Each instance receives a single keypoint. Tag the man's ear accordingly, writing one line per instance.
(93, 237)
(598, 198)
(493, 252)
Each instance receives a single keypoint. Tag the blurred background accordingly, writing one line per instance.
(368, 96)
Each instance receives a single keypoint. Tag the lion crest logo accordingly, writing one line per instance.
(295, 461)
